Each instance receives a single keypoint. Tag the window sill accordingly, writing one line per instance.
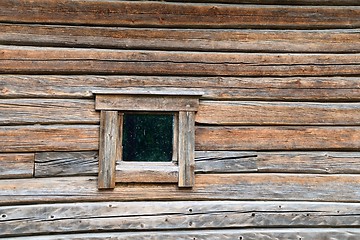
(146, 172)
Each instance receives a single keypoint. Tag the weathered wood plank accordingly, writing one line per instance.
(50, 164)
(286, 2)
(283, 2)
(146, 102)
(277, 138)
(277, 113)
(182, 39)
(110, 147)
(146, 172)
(34, 60)
(123, 13)
(245, 186)
(290, 88)
(16, 165)
(311, 162)
(219, 234)
(226, 162)
(116, 216)
(37, 111)
(49, 138)
(186, 153)
(277, 162)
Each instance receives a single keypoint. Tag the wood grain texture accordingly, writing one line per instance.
(277, 162)
(49, 111)
(164, 14)
(146, 102)
(182, 39)
(135, 216)
(49, 138)
(110, 147)
(277, 138)
(34, 60)
(16, 165)
(285, 2)
(146, 172)
(289, 88)
(277, 113)
(250, 186)
(253, 234)
(50, 164)
(186, 149)
(175, 15)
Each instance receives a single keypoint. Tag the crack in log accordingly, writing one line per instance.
(225, 158)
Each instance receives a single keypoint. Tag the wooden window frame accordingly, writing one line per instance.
(113, 169)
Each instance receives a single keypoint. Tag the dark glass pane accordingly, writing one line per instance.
(148, 137)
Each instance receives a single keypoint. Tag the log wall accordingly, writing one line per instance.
(277, 136)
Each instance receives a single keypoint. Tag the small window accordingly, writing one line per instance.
(146, 137)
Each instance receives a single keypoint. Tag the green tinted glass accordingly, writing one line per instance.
(148, 137)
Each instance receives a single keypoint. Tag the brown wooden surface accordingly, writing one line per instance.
(276, 63)
(49, 138)
(250, 186)
(290, 88)
(14, 59)
(277, 162)
(280, 2)
(176, 14)
(253, 234)
(277, 113)
(277, 138)
(110, 147)
(141, 102)
(51, 164)
(182, 39)
(146, 172)
(55, 111)
(135, 216)
(16, 165)
(284, 65)
(186, 148)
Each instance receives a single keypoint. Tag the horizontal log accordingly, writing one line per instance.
(134, 216)
(277, 113)
(277, 138)
(162, 14)
(86, 137)
(34, 60)
(66, 163)
(38, 111)
(16, 165)
(277, 162)
(253, 234)
(245, 186)
(51, 164)
(49, 138)
(182, 39)
(287, 2)
(225, 162)
(79, 86)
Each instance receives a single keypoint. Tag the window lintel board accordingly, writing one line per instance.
(168, 102)
(113, 105)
